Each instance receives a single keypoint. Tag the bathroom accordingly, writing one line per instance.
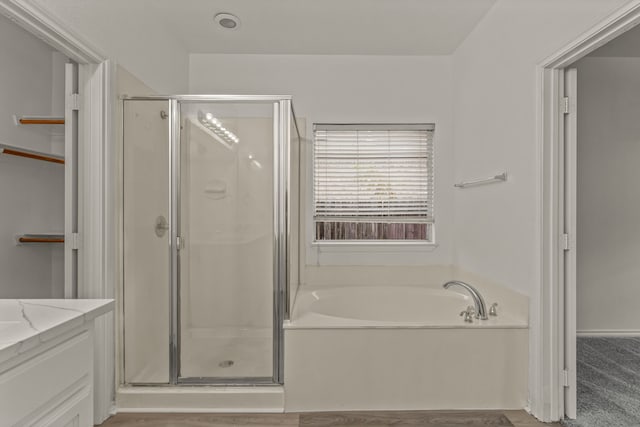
(256, 273)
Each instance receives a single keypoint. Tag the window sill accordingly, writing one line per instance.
(373, 247)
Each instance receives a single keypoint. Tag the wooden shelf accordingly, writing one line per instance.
(39, 120)
(31, 154)
(41, 238)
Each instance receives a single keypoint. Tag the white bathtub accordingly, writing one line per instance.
(393, 307)
(402, 347)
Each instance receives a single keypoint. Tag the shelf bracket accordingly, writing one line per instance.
(74, 101)
(75, 241)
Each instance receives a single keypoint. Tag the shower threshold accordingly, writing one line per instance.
(231, 381)
(267, 398)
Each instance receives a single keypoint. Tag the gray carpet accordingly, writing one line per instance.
(608, 383)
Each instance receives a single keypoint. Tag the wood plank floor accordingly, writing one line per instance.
(328, 419)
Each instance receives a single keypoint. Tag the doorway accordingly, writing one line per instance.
(602, 204)
(561, 237)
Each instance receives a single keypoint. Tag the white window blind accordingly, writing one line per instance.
(376, 174)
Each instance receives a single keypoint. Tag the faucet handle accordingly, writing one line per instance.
(492, 310)
(468, 314)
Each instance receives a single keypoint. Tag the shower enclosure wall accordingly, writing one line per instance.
(207, 219)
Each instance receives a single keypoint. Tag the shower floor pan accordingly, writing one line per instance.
(226, 353)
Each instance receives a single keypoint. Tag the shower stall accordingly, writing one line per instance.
(208, 215)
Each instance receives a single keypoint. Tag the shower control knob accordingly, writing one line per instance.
(468, 314)
(161, 226)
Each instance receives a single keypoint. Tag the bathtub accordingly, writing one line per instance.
(392, 307)
(403, 348)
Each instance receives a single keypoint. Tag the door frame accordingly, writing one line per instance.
(547, 396)
(96, 178)
(570, 248)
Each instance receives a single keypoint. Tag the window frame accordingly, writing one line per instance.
(370, 245)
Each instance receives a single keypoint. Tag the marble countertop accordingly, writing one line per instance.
(27, 323)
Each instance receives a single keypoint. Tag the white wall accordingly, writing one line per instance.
(608, 235)
(495, 130)
(154, 55)
(31, 191)
(352, 89)
(497, 227)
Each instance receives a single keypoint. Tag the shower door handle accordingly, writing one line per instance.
(161, 226)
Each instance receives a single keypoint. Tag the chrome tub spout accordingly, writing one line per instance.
(481, 308)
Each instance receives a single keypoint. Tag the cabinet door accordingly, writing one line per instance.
(51, 385)
(74, 413)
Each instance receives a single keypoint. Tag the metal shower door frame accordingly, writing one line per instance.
(282, 112)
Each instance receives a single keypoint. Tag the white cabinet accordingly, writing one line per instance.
(51, 385)
(46, 362)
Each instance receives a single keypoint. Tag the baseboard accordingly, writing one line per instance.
(609, 333)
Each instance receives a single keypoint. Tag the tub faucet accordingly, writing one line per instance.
(481, 308)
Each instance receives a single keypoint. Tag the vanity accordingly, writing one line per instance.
(46, 361)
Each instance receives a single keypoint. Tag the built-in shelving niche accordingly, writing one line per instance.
(35, 238)
(35, 174)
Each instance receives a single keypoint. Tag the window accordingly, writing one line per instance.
(373, 182)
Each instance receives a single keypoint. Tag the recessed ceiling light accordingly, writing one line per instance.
(227, 21)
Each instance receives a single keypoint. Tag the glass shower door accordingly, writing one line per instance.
(146, 213)
(227, 229)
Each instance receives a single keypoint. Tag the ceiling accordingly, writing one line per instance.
(354, 27)
(625, 45)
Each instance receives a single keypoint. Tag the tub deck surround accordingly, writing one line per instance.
(403, 348)
(27, 323)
